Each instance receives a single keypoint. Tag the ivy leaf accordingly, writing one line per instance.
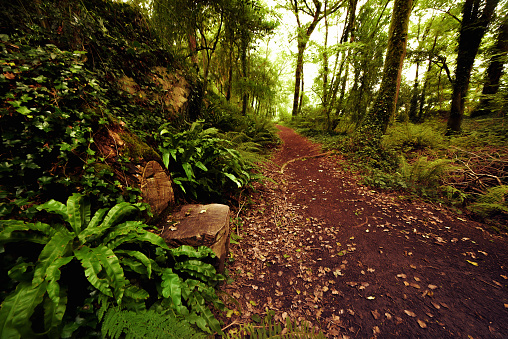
(24, 110)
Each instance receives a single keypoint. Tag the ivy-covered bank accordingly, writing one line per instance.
(89, 95)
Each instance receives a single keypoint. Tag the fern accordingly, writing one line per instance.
(274, 330)
(106, 248)
(147, 325)
(424, 172)
(493, 202)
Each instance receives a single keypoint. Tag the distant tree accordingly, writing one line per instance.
(317, 11)
(386, 101)
(476, 16)
(495, 70)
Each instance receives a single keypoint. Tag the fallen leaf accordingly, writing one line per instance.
(472, 262)
(422, 323)
(406, 283)
(504, 277)
(444, 305)
(388, 316)
(410, 313)
(497, 283)
(401, 275)
(9, 76)
(505, 305)
(437, 306)
(376, 330)
(432, 287)
(414, 285)
(371, 297)
(375, 314)
(413, 266)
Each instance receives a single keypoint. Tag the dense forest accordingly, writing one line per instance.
(412, 92)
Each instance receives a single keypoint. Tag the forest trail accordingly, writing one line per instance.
(357, 263)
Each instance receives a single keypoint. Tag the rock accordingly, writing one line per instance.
(156, 188)
(200, 225)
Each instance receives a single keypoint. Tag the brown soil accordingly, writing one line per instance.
(358, 263)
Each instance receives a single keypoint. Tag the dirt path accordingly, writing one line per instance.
(358, 263)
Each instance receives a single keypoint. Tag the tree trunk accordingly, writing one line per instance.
(386, 100)
(494, 71)
(476, 16)
(414, 98)
(303, 38)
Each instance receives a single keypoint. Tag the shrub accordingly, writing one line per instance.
(491, 203)
(202, 163)
(120, 263)
(409, 137)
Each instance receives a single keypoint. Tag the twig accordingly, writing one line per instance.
(304, 158)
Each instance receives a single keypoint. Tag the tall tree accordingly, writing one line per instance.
(494, 70)
(476, 16)
(317, 12)
(386, 100)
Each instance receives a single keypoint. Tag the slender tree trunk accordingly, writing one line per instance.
(494, 71)
(476, 15)
(303, 38)
(414, 98)
(386, 100)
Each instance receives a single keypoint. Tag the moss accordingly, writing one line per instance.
(135, 148)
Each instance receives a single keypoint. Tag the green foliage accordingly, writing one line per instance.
(120, 261)
(423, 172)
(147, 324)
(408, 137)
(268, 328)
(491, 203)
(201, 162)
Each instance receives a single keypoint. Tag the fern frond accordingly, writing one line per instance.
(147, 325)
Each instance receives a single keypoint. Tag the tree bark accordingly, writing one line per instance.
(494, 71)
(386, 100)
(302, 45)
(476, 16)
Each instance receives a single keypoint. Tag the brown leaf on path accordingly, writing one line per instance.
(422, 323)
(432, 287)
(410, 313)
(375, 314)
(436, 305)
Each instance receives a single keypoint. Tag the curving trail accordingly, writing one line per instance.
(358, 263)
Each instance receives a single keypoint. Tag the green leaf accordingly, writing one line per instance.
(17, 308)
(56, 207)
(200, 165)
(172, 287)
(198, 269)
(165, 158)
(141, 257)
(191, 252)
(136, 293)
(54, 310)
(78, 210)
(98, 261)
(24, 110)
(57, 248)
(233, 179)
(115, 215)
(188, 170)
(10, 228)
(198, 305)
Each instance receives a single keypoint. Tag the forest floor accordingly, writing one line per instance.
(357, 263)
